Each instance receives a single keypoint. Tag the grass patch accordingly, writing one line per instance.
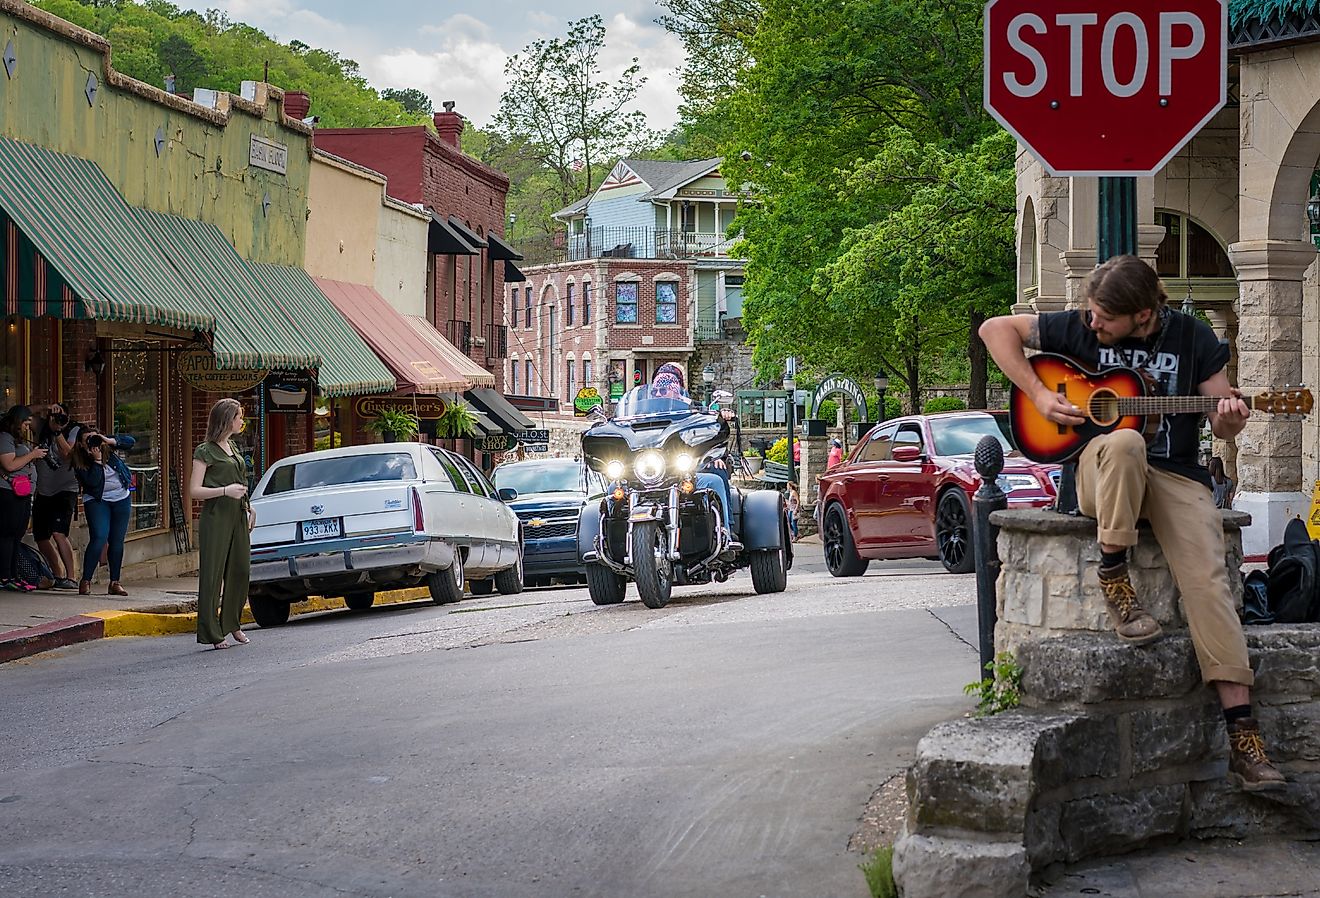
(879, 872)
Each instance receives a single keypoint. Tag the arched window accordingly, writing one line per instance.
(1028, 255)
(1193, 263)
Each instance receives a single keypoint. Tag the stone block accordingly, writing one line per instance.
(977, 773)
(935, 867)
(1286, 658)
(1291, 731)
(1219, 809)
(1176, 737)
(1087, 669)
(1021, 598)
(1042, 841)
(1118, 822)
(1085, 748)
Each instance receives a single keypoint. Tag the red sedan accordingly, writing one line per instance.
(906, 489)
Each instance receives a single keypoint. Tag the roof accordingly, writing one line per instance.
(416, 363)
(574, 208)
(252, 330)
(1240, 11)
(661, 177)
(348, 366)
(498, 408)
(77, 220)
(458, 360)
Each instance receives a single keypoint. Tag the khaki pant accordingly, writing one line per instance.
(1188, 527)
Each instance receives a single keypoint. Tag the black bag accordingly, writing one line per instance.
(32, 567)
(1256, 598)
(1294, 576)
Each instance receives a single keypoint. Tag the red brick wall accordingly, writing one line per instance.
(79, 387)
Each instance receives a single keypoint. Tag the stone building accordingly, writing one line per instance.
(1230, 224)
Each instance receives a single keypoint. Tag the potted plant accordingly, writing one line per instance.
(456, 421)
(392, 424)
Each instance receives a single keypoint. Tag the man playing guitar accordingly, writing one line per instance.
(1121, 478)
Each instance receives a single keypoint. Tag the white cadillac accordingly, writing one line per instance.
(351, 521)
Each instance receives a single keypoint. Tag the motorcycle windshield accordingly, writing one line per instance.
(641, 405)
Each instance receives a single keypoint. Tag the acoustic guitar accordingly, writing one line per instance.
(1118, 398)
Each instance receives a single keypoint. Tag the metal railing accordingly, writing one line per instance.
(623, 243)
(497, 341)
(460, 334)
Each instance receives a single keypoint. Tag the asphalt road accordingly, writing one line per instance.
(533, 745)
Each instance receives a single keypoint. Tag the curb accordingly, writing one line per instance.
(28, 641)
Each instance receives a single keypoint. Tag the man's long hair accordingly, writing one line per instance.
(1125, 285)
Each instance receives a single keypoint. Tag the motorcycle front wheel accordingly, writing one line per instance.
(651, 564)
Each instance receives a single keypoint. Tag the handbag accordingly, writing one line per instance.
(22, 485)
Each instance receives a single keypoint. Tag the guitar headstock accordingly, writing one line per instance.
(1284, 402)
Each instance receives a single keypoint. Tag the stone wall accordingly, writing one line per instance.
(1115, 747)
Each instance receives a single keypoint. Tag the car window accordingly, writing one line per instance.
(877, 448)
(958, 435)
(434, 471)
(536, 478)
(480, 485)
(908, 435)
(340, 470)
(451, 471)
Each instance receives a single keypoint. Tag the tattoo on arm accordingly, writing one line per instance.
(1032, 339)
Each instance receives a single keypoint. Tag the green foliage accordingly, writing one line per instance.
(411, 99)
(329, 441)
(879, 872)
(1002, 690)
(893, 407)
(391, 423)
(149, 40)
(456, 421)
(778, 451)
(944, 404)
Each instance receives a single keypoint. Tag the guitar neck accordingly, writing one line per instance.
(1174, 405)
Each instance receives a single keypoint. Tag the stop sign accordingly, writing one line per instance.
(1105, 87)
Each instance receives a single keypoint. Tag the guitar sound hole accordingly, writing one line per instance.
(1103, 408)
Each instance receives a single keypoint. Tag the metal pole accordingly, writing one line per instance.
(790, 415)
(989, 498)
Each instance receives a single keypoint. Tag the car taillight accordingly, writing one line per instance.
(419, 521)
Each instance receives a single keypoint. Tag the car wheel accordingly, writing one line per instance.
(650, 557)
(447, 586)
(770, 570)
(360, 601)
(482, 587)
(510, 580)
(953, 532)
(268, 612)
(841, 556)
(605, 586)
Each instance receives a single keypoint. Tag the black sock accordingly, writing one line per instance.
(1237, 712)
(1113, 559)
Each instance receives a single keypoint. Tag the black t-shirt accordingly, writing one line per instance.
(1180, 357)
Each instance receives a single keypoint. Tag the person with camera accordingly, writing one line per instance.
(18, 476)
(106, 485)
(56, 498)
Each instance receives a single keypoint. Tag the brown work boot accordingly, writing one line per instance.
(1131, 622)
(1247, 764)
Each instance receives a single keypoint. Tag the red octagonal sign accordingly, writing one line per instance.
(1105, 87)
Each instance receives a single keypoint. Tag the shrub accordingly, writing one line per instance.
(944, 404)
(778, 452)
(1002, 690)
(879, 873)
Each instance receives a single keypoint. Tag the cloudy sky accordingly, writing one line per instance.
(456, 50)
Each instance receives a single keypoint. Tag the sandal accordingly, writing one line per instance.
(240, 637)
(220, 645)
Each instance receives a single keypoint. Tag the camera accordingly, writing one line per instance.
(59, 419)
(95, 441)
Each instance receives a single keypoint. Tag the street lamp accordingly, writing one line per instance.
(790, 386)
(881, 384)
(708, 378)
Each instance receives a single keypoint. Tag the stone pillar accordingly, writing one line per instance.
(1270, 357)
(815, 452)
(1149, 238)
(1077, 264)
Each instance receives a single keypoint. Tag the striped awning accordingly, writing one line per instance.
(80, 226)
(252, 330)
(348, 366)
(458, 360)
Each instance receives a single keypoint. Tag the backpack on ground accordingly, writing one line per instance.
(1294, 576)
(32, 567)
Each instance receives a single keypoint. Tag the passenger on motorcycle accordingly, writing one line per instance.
(713, 474)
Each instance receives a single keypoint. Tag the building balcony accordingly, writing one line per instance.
(624, 243)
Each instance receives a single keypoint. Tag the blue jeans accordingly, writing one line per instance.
(710, 481)
(107, 522)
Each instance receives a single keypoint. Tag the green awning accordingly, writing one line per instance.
(252, 330)
(78, 222)
(348, 366)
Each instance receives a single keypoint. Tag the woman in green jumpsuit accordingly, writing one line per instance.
(219, 477)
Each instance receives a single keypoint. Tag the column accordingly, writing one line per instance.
(1269, 464)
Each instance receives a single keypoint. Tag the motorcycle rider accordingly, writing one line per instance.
(713, 474)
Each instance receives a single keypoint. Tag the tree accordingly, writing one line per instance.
(411, 99)
(178, 58)
(562, 111)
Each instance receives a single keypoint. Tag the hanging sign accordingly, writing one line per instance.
(840, 383)
(426, 408)
(500, 442)
(586, 399)
(198, 370)
(287, 392)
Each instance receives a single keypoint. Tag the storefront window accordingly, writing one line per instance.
(11, 361)
(44, 361)
(139, 398)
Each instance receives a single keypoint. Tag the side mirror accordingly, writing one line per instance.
(906, 453)
(508, 494)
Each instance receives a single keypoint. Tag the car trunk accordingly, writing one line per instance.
(344, 510)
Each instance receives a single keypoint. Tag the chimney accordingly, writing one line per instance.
(449, 124)
(296, 105)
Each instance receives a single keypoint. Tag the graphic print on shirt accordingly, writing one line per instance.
(1162, 370)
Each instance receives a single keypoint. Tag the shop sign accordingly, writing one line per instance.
(426, 408)
(287, 392)
(527, 437)
(198, 370)
(587, 398)
(538, 447)
(500, 442)
(840, 383)
(616, 390)
(268, 154)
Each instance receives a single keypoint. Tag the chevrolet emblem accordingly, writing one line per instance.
(536, 522)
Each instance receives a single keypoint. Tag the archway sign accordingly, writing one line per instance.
(839, 383)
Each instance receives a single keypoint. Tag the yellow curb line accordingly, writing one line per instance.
(141, 623)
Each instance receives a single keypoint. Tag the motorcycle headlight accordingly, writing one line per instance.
(650, 466)
(614, 470)
(685, 463)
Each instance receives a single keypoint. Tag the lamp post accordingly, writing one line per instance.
(790, 412)
(881, 385)
(708, 379)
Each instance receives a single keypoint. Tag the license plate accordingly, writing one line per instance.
(320, 529)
